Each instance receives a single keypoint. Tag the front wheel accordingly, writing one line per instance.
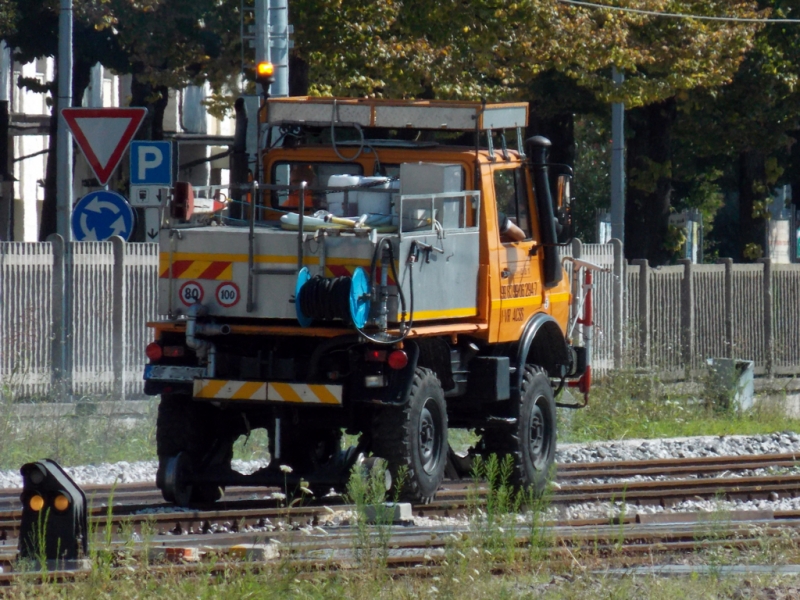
(532, 440)
(413, 438)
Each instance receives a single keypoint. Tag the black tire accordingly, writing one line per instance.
(413, 438)
(531, 442)
(197, 430)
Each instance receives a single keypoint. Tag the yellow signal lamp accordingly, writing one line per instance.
(61, 503)
(265, 75)
(36, 503)
(266, 69)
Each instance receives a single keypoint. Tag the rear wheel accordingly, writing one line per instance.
(191, 437)
(531, 441)
(413, 438)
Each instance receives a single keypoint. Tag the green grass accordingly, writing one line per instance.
(625, 406)
(622, 406)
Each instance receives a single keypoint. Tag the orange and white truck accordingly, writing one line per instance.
(391, 272)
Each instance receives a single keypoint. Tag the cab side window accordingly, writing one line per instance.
(512, 204)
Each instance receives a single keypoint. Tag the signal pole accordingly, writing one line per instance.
(618, 164)
(64, 141)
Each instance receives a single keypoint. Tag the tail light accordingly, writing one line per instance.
(398, 360)
(154, 352)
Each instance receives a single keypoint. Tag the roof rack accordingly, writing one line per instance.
(397, 114)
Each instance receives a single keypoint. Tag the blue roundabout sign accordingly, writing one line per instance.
(101, 215)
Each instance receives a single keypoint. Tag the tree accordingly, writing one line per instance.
(745, 132)
(162, 44)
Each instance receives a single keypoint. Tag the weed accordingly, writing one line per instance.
(366, 491)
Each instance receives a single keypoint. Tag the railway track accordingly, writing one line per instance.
(139, 505)
(320, 530)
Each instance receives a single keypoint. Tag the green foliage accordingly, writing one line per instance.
(74, 440)
(592, 179)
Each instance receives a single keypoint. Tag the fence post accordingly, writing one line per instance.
(618, 301)
(118, 317)
(769, 334)
(58, 342)
(577, 248)
(728, 341)
(687, 314)
(644, 311)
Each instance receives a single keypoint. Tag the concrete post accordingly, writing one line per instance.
(118, 333)
(58, 342)
(618, 301)
(687, 314)
(728, 341)
(644, 311)
(577, 248)
(769, 332)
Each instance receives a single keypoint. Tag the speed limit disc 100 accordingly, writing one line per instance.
(228, 294)
(191, 292)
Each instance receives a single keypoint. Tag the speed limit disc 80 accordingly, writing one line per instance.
(191, 292)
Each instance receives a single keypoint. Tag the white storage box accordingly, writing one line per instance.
(336, 200)
(376, 198)
(430, 178)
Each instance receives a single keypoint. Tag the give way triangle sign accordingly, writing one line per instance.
(103, 135)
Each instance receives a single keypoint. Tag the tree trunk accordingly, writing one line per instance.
(752, 186)
(649, 182)
(49, 221)
(560, 130)
(155, 101)
(298, 76)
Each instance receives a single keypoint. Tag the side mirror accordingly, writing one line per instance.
(563, 209)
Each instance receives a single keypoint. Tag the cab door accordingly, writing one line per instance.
(518, 263)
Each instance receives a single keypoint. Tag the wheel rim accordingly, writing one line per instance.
(430, 442)
(539, 435)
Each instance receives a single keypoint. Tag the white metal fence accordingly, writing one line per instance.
(109, 291)
(670, 318)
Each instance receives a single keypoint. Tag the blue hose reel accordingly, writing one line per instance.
(323, 298)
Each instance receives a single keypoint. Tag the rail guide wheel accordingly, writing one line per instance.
(178, 471)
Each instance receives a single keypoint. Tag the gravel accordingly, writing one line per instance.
(121, 472)
(776, 443)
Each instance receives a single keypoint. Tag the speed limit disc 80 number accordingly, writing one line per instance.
(228, 294)
(190, 293)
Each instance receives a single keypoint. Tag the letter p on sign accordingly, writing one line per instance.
(150, 157)
(151, 163)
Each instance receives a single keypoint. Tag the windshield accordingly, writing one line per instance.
(319, 177)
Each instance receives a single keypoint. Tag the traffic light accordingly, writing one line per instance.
(54, 523)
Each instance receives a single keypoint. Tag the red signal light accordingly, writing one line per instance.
(154, 351)
(398, 360)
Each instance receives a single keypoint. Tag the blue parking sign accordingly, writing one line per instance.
(151, 163)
